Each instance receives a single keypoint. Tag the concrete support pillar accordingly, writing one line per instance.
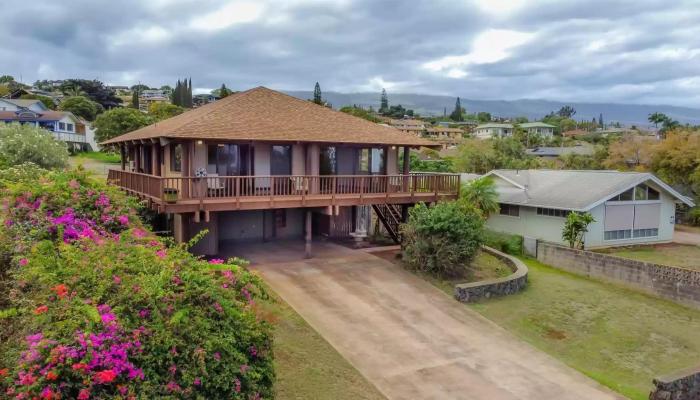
(307, 244)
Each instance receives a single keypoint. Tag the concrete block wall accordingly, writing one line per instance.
(678, 284)
(683, 385)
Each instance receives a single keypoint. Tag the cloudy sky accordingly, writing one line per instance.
(637, 51)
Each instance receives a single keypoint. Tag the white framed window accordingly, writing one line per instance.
(641, 233)
(552, 212)
(509, 210)
(69, 127)
(618, 235)
(61, 126)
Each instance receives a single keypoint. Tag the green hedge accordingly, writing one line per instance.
(507, 243)
(94, 306)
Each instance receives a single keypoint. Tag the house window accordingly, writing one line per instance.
(212, 163)
(69, 127)
(176, 158)
(638, 193)
(281, 160)
(329, 161)
(363, 160)
(551, 212)
(61, 126)
(618, 235)
(509, 210)
(641, 233)
(378, 157)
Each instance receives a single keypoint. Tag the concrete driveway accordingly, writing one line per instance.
(411, 340)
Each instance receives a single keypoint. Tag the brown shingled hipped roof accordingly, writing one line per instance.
(266, 115)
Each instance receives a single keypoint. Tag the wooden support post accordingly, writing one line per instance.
(406, 166)
(122, 154)
(307, 244)
(155, 164)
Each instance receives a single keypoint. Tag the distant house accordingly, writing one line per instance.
(628, 207)
(491, 130)
(555, 152)
(538, 128)
(19, 104)
(202, 99)
(151, 96)
(448, 137)
(409, 125)
(64, 125)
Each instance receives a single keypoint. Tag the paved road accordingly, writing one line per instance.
(411, 340)
(686, 236)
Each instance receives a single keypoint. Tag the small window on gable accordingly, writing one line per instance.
(652, 194)
(62, 126)
(627, 195)
(640, 192)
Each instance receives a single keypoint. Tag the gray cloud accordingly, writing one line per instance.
(641, 51)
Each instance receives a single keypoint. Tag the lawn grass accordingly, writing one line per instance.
(680, 255)
(307, 366)
(619, 337)
(96, 162)
(483, 267)
(109, 158)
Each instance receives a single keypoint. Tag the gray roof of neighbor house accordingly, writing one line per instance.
(494, 125)
(571, 190)
(23, 102)
(536, 125)
(261, 114)
(558, 151)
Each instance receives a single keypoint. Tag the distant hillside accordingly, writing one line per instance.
(627, 114)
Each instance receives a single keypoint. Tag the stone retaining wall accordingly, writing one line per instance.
(681, 285)
(475, 291)
(683, 385)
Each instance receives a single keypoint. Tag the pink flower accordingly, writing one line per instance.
(197, 382)
(84, 394)
(161, 253)
(217, 356)
(216, 261)
(237, 384)
(47, 393)
(23, 262)
(123, 219)
(116, 279)
(73, 184)
(218, 307)
(144, 313)
(172, 386)
(244, 368)
(139, 233)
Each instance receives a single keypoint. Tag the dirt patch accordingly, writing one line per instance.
(554, 334)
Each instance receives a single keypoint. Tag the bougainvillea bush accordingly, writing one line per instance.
(94, 306)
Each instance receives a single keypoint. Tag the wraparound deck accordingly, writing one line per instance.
(226, 193)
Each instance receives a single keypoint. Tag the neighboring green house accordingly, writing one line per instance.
(628, 207)
(491, 130)
(538, 128)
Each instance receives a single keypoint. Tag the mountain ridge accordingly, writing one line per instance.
(534, 109)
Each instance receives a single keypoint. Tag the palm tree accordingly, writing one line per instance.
(74, 91)
(481, 193)
(657, 118)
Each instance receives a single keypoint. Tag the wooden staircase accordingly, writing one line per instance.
(390, 215)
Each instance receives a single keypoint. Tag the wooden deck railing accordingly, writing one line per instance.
(221, 187)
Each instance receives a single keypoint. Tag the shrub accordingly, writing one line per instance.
(118, 121)
(441, 240)
(81, 107)
(25, 143)
(507, 243)
(93, 305)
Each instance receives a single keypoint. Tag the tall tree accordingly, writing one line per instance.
(482, 194)
(317, 94)
(93, 89)
(657, 118)
(566, 112)
(224, 91)
(135, 99)
(458, 111)
(384, 103)
(189, 94)
(600, 120)
(118, 121)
